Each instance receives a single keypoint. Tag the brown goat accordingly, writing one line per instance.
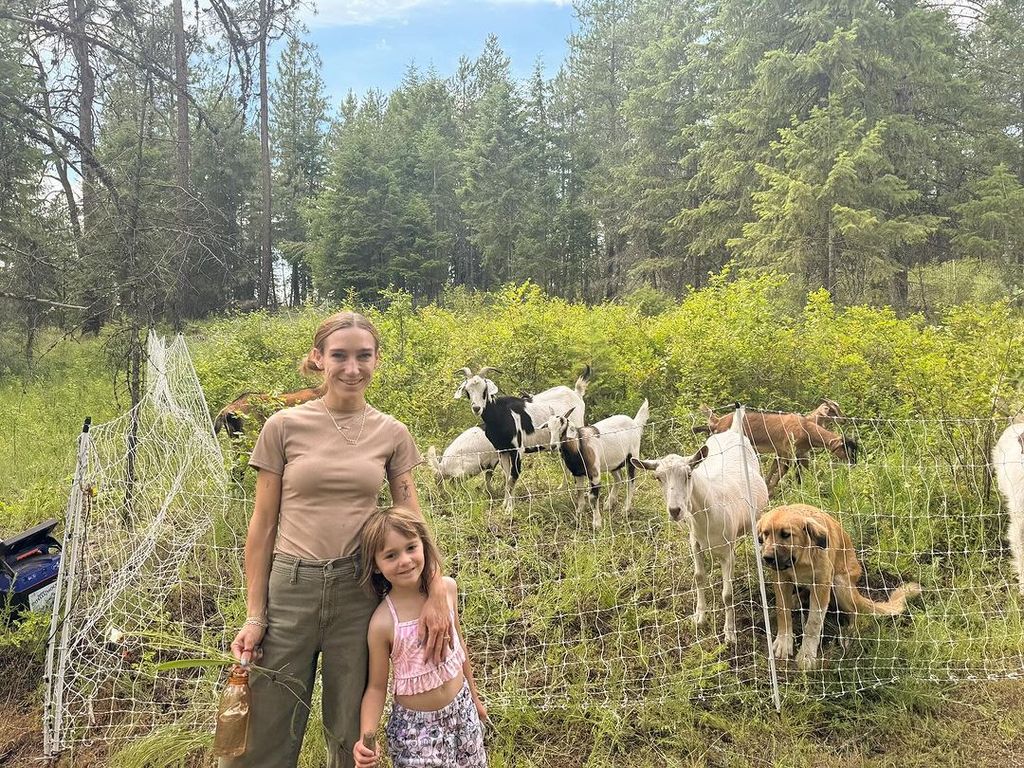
(257, 406)
(790, 437)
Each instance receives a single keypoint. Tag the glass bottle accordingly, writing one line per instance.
(233, 715)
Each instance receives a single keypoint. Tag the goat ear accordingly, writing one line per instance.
(460, 391)
(491, 390)
(1020, 439)
(708, 413)
(639, 463)
(699, 456)
(816, 532)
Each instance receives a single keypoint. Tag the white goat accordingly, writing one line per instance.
(708, 492)
(516, 425)
(1008, 462)
(607, 446)
(466, 456)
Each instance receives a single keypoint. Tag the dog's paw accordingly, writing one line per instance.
(782, 647)
(806, 660)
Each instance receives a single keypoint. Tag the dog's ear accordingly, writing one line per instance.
(816, 533)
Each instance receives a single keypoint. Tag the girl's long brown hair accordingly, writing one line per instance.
(375, 530)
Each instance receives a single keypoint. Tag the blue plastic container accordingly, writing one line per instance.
(29, 562)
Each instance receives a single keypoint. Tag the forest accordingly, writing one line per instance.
(161, 163)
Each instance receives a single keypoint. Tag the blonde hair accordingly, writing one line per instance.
(408, 523)
(336, 322)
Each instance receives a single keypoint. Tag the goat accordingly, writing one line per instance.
(516, 425)
(257, 406)
(708, 493)
(607, 446)
(1008, 463)
(466, 456)
(790, 437)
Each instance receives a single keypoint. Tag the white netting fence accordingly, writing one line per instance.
(557, 615)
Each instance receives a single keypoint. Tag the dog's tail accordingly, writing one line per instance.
(583, 381)
(894, 606)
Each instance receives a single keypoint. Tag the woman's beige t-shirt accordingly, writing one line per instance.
(329, 487)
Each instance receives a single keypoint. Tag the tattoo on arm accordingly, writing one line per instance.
(405, 490)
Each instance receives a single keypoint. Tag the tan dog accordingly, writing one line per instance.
(810, 549)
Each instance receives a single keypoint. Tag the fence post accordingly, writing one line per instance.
(63, 601)
(773, 672)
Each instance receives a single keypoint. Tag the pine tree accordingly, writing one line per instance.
(494, 186)
(991, 223)
(298, 119)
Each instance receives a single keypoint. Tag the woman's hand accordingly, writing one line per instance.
(246, 645)
(364, 757)
(435, 625)
(481, 709)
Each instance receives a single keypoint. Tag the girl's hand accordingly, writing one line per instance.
(364, 757)
(246, 645)
(435, 627)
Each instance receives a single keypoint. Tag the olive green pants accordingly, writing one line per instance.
(316, 610)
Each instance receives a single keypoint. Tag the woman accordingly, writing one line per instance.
(321, 467)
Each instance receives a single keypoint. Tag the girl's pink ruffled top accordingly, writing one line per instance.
(414, 673)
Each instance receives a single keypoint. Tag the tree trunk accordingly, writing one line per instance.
(828, 275)
(264, 286)
(178, 305)
(78, 13)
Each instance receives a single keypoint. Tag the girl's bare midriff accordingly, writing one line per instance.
(431, 701)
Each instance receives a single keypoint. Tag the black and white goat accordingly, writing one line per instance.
(607, 446)
(517, 425)
(466, 456)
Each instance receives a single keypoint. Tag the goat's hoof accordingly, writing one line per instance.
(700, 618)
(730, 637)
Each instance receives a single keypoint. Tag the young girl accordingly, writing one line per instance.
(437, 712)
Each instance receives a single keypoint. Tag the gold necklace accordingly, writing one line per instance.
(362, 423)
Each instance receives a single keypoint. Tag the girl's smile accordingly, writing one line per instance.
(400, 560)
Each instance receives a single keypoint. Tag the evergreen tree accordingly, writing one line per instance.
(991, 224)
(494, 187)
(298, 120)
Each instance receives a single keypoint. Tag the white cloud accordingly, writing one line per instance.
(341, 13)
(383, 45)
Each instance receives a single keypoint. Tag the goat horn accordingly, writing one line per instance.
(487, 369)
(466, 372)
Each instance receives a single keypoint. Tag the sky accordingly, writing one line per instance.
(370, 43)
